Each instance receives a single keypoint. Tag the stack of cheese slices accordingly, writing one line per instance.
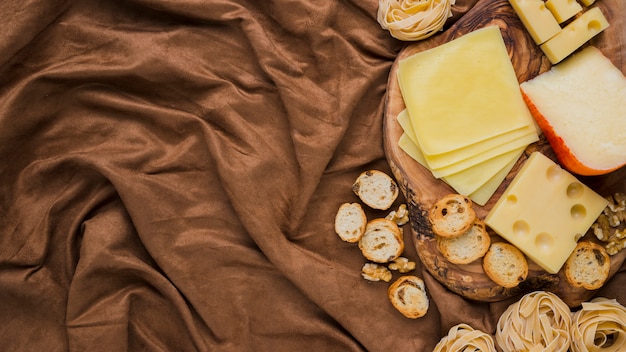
(465, 118)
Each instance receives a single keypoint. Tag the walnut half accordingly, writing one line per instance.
(610, 227)
(375, 272)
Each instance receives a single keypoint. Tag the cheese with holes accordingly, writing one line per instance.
(574, 35)
(544, 211)
(462, 92)
(563, 10)
(537, 18)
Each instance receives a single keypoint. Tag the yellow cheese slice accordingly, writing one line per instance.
(520, 142)
(465, 181)
(544, 211)
(484, 192)
(473, 154)
(482, 195)
(462, 92)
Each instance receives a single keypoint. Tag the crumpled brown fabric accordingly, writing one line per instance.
(170, 171)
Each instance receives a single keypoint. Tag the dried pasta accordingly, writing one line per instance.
(463, 337)
(600, 325)
(413, 20)
(539, 321)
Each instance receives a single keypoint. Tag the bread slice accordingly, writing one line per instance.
(350, 222)
(382, 241)
(376, 189)
(588, 266)
(452, 215)
(408, 295)
(505, 264)
(468, 247)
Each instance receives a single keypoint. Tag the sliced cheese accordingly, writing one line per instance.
(574, 35)
(544, 211)
(538, 20)
(472, 154)
(459, 182)
(474, 160)
(462, 92)
(478, 182)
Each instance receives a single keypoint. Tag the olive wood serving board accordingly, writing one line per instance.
(421, 189)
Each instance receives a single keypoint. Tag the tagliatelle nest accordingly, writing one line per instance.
(539, 321)
(599, 325)
(463, 337)
(413, 20)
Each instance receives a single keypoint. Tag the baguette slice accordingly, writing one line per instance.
(579, 106)
(376, 189)
(588, 266)
(350, 222)
(468, 247)
(408, 295)
(382, 241)
(452, 215)
(505, 264)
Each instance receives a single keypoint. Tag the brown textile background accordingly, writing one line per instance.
(170, 171)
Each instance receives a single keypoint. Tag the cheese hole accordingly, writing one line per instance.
(575, 190)
(544, 242)
(553, 173)
(594, 26)
(511, 199)
(578, 211)
(521, 228)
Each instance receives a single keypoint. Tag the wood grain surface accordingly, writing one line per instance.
(421, 190)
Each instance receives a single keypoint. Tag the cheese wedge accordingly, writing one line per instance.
(462, 92)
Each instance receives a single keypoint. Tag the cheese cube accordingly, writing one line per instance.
(544, 211)
(574, 35)
(537, 19)
(563, 10)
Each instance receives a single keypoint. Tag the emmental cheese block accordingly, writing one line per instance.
(574, 35)
(537, 18)
(544, 211)
(462, 92)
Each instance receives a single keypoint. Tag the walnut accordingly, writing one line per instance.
(400, 216)
(610, 227)
(402, 264)
(375, 272)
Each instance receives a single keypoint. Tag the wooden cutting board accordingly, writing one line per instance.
(420, 188)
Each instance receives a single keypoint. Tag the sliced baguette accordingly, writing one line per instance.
(382, 241)
(505, 264)
(588, 266)
(468, 247)
(376, 189)
(452, 215)
(408, 295)
(350, 222)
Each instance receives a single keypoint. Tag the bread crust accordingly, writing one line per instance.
(505, 264)
(408, 295)
(452, 215)
(588, 266)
